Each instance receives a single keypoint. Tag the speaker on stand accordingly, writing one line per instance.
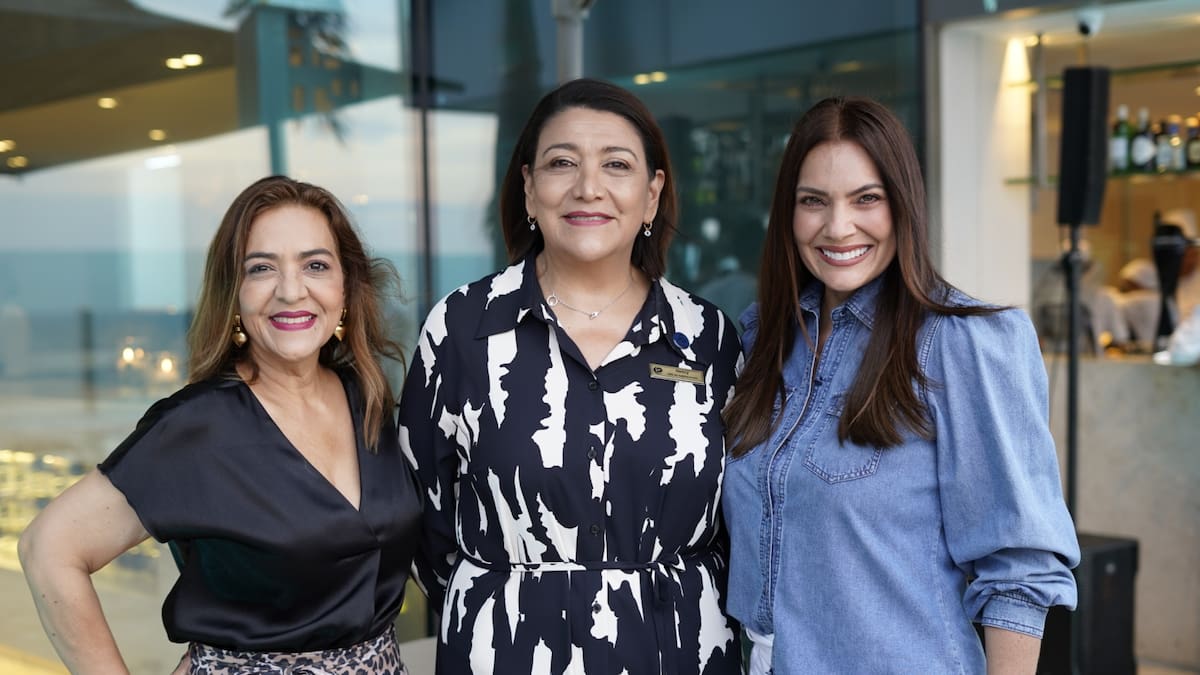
(1082, 176)
(1098, 636)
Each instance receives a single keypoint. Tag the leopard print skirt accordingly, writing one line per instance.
(377, 656)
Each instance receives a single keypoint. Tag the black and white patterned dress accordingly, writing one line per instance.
(571, 517)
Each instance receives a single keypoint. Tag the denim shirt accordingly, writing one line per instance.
(865, 560)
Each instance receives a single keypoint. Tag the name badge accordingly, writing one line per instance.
(676, 374)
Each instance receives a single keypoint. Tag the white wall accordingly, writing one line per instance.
(984, 138)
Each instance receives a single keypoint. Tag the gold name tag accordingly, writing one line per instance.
(675, 374)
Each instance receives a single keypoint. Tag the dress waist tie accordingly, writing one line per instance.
(658, 572)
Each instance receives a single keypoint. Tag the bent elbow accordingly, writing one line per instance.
(27, 548)
(32, 546)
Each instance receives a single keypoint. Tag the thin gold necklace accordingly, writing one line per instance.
(554, 301)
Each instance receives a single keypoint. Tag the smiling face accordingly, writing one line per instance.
(589, 186)
(293, 288)
(842, 223)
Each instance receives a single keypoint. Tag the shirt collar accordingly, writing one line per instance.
(678, 318)
(513, 295)
(861, 304)
(670, 313)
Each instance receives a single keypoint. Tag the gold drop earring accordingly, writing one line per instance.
(239, 336)
(340, 330)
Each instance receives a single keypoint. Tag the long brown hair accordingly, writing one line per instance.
(649, 253)
(368, 281)
(882, 402)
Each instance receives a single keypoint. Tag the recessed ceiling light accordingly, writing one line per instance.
(157, 134)
(6, 145)
(191, 60)
(176, 63)
(108, 103)
(18, 162)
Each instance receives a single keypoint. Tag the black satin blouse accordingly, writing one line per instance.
(272, 556)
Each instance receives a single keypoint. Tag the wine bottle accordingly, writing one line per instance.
(1162, 147)
(1193, 143)
(1141, 147)
(1178, 157)
(1118, 145)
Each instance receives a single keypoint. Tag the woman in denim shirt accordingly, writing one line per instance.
(892, 478)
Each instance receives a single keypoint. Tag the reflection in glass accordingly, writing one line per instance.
(107, 228)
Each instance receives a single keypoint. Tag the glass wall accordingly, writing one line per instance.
(126, 129)
(727, 125)
(726, 121)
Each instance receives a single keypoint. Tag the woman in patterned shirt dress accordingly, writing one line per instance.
(563, 416)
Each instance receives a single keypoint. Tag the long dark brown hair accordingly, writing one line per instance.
(368, 281)
(882, 403)
(649, 253)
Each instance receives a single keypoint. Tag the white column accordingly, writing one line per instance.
(984, 140)
(569, 15)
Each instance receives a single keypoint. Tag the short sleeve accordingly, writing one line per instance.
(156, 466)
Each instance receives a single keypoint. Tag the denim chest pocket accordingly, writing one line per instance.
(836, 462)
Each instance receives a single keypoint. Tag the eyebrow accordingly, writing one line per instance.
(273, 256)
(822, 193)
(575, 148)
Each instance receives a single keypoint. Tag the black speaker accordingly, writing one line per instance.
(1083, 153)
(1103, 623)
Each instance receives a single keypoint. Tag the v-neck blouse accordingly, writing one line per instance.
(272, 556)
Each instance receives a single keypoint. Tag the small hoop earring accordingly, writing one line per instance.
(532, 223)
(646, 229)
(239, 336)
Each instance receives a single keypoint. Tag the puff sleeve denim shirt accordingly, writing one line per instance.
(870, 561)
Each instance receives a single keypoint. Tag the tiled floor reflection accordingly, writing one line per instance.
(13, 662)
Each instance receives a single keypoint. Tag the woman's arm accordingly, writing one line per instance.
(1004, 519)
(79, 532)
(1009, 652)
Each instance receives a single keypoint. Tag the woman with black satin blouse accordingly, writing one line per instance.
(275, 474)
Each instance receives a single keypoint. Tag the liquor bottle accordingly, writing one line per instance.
(1141, 147)
(1118, 144)
(1178, 158)
(1162, 147)
(1193, 143)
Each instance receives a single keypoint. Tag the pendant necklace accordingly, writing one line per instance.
(554, 301)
